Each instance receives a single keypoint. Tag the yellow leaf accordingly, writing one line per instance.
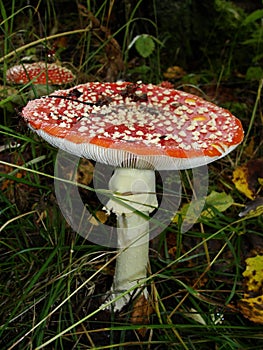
(240, 179)
(251, 305)
(174, 72)
(247, 177)
(252, 309)
(85, 172)
(254, 274)
(99, 217)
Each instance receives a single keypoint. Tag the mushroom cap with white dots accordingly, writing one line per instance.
(135, 125)
(39, 73)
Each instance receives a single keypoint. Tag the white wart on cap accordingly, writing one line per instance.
(39, 73)
(130, 125)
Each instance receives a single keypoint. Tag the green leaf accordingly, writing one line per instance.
(252, 17)
(145, 45)
(143, 69)
(218, 200)
(254, 73)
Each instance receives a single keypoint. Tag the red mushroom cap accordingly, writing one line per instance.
(39, 73)
(123, 123)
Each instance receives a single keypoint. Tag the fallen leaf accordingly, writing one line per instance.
(98, 217)
(218, 200)
(252, 308)
(246, 177)
(251, 304)
(85, 172)
(174, 72)
(250, 149)
(253, 208)
(8, 182)
(141, 312)
(253, 275)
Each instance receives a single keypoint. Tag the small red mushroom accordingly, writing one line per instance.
(137, 128)
(39, 73)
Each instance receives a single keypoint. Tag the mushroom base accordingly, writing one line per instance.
(133, 200)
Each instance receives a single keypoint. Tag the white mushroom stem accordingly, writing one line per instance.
(133, 200)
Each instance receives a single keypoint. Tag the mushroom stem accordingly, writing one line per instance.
(133, 200)
(131, 263)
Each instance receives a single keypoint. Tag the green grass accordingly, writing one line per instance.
(52, 281)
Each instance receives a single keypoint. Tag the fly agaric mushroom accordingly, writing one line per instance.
(137, 128)
(39, 73)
